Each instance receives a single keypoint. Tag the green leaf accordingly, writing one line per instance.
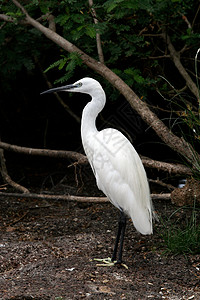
(90, 31)
(135, 74)
(62, 63)
(79, 18)
(62, 19)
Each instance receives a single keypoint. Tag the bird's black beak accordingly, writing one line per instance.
(60, 89)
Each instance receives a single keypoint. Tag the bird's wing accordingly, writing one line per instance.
(121, 176)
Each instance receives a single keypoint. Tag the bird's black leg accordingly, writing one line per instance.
(123, 222)
(120, 236)
(114, 256)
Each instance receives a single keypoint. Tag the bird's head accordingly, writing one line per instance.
(86, 85)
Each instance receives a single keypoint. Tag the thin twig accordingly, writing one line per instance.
(193, 22)
(159, 182)
(177, 62)
(185, 19)
(98, 37)
(66, 107)
(19, 219)
(3, 186)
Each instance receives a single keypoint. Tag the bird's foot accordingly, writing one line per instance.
(107, 262)
(120, 263)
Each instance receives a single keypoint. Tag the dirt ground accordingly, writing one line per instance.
(47, 251)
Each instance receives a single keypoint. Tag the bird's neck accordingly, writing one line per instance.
(90, 113)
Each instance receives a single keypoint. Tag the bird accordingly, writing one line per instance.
(116, 165)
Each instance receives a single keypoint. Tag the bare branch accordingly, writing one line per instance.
(20, 7)
(81, 159)
(3, 187)
(161, 196)
(74, 198)
(52, 24)
(186, 21)
(98, 37)
(176, 59)
(195, 17)
(159, 182)
(166, 167)
(57, 197)
(6, 177)
(7, 18)
(156, 57)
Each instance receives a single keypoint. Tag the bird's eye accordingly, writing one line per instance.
(79, 84)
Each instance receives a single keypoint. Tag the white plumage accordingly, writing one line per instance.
(120, 175)
(118, 169)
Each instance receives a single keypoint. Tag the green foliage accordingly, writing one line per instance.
(190, 38)
(183, 239)
(128, 31)
(18, 46)
(69, 63)
(14, 57)
(188, 120)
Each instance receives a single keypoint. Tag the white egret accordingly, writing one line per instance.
(118, 169)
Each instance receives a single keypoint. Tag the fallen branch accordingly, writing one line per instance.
(82, 199)
(57, 197)
(166, 196)
(81, 159)
(7, 178)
